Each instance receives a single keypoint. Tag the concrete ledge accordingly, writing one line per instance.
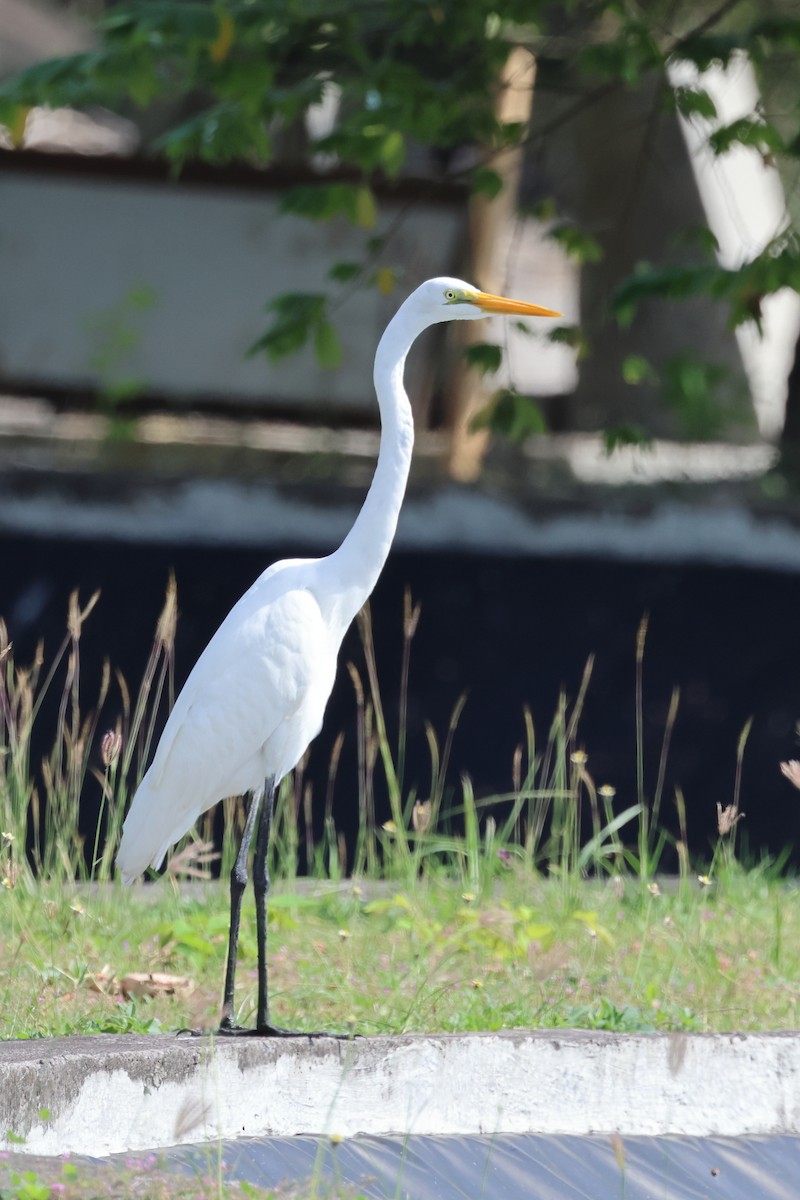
(110, 1094)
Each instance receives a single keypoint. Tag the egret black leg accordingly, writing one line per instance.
(238, 885)
(261, 889)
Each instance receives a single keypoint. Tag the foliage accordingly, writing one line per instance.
(536, 907)
(427, 955)
(539, 906)
(510, 414)
(409, 75)
(151, 1177)
(40, 802)
(742, 289)
(541, 822)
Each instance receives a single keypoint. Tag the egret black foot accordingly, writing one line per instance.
(228, 1029)
(278, 1032)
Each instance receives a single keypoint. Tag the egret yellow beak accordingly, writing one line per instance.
(499, 304)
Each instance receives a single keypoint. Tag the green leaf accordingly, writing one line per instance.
(694, 102)
(327, 345)
(515, 417)
(162, 19)
(486, 183)
(706, 49)
(630, 55)
(690, 388)
(295, 315)
(219, 134)
(343, 272)
(701, 237)
(648, 282)
(189, 940)
(544, 210)
(393, 153)
(388, 904)
(747, 131)
(576, 242)
(366, 211)
(54, 82)
(624, 435)
(142, 297)
(484, 356)
(572, 336)
(319, 201)
(15, 119)
(636, 369)
(322, 201)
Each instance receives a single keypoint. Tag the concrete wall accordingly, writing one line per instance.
(77, 253)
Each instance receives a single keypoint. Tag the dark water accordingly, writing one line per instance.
(510, 631)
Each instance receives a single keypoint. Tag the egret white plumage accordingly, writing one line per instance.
(255, 699)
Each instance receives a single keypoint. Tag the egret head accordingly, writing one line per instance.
(446, 299)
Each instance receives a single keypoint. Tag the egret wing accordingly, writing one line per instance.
(255, 695)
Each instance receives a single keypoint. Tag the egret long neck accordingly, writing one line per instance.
(359, 560)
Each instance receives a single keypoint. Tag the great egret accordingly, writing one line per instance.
(257, 694)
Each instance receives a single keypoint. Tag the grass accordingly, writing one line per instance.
(147, 1178)
(537, 907)
(542, 907)
(434, 958)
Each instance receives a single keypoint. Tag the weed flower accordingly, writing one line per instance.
(791, 770)
(110, 746)
(421, 816)
(705, 880)
(344, 934)
(727, 818)
(8, 838)
(389, 827)
(654, 889)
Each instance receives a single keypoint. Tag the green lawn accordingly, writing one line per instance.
(524, 952)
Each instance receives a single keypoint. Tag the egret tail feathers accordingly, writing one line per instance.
(150, 829)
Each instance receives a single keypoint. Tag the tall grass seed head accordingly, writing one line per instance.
(421, 816)
(727, 818)
(110, 746)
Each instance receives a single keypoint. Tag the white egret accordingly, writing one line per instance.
(256, 696)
